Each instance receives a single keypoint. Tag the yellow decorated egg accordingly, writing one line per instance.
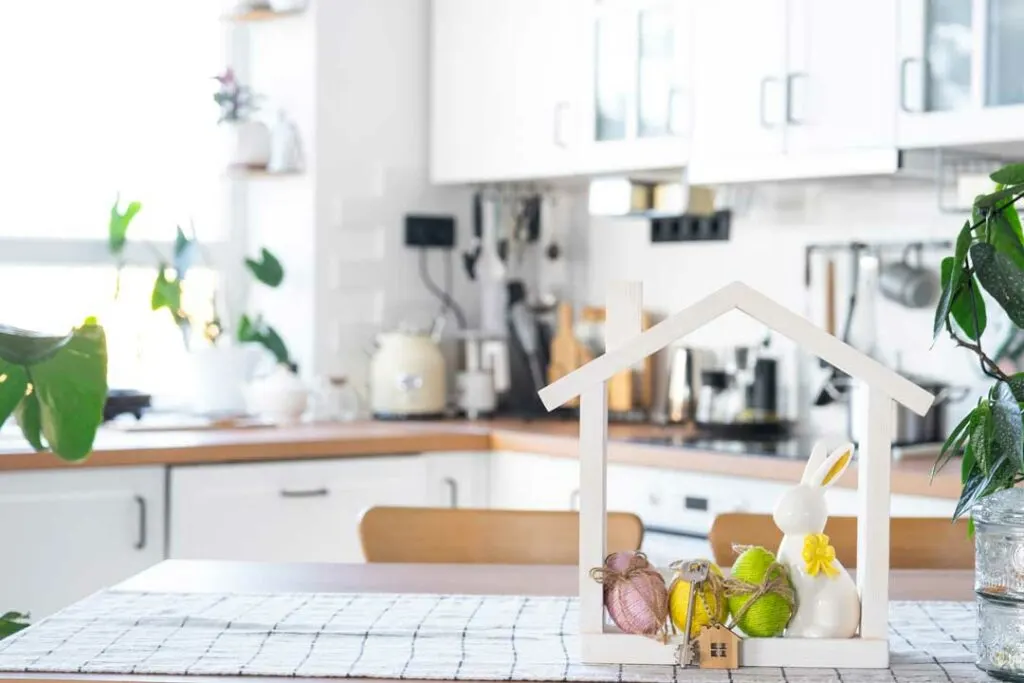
(707, 608)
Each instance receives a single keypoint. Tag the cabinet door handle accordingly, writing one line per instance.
(574, 500)
(140, 539)
(904, 63)
(673, 96)
(762, 97)
(791, 79)
(560, 110)
(453, 492)
(304, 493)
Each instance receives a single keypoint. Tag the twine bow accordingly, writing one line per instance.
(715, 589)
(638, 565)
(775, 581)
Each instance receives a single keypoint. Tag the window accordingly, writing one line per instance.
(718, 650)
(102, 98)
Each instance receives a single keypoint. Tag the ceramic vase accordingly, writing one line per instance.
(246, 144)
(280, 397)
(220, 375)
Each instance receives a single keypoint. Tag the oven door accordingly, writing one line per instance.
(664, 546)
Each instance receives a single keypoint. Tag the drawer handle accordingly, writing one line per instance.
(453, 492)
(304, 493)
(140, 542)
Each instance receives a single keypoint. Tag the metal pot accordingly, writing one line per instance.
(908, 427)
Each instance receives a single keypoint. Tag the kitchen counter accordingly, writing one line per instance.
(629, 444)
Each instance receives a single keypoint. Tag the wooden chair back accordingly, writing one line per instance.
(469, 536)
(914, 542)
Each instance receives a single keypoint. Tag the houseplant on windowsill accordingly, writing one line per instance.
(55, 386)
(989, 257)
(280, 397)
(246, 142)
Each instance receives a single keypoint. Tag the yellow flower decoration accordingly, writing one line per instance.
(819, 555)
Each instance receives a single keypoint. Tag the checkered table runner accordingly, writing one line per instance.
(450, 637)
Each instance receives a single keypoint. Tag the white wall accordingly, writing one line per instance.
(767, 251)
(371, 112)
(353, 76)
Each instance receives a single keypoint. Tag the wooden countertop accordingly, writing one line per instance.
(247, 577)
(116, 447)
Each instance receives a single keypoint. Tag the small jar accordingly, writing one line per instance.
(999, 583)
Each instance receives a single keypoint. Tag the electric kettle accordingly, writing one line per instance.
(407, 377)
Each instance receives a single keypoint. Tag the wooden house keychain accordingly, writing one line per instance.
(694, 573)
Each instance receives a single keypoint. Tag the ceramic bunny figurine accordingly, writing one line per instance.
(827, 602)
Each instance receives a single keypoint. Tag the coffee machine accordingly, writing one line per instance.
(731, 391)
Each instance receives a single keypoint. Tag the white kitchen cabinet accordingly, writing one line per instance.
(739, 85)
(526, 481)
(503, 76)
(288, 511)
(67, 533)
(636, 78)
(959, 69)
(458, 480)
(792, 91)
(841, 93)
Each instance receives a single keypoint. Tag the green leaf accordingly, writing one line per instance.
(1001, 278)
(1007, 428)
(997, 199)
(968, 465)
(167, 294)
(272, 342)
(117, 235)
(980, 439)
(11, 623)
(952, 444)
(184, 253)
(969, 494)
(963, 243)
(258, 332)
(71, 389)
(13, 384)
(1017, 386)
(967, 304)
(29, 417)
(267, 270)
(1005, 239)
(945, 300)
(23, 347)
(1011, 174)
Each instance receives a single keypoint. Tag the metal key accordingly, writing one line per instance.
(693, 573)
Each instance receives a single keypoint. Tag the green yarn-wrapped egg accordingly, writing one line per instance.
(767, 617)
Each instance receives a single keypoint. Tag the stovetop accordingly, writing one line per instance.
(790, 447)
(794, 447)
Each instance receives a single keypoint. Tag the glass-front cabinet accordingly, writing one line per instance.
(961, 81)
(638, 111)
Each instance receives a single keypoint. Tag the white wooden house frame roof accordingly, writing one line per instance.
(741, 296)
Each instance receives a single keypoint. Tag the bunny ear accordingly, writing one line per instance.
(834, 466)
(814, 462)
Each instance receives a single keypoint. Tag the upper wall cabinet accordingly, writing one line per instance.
(634, 90)
(525, 89)
(503, 79)
(795, 88)
(959, 67)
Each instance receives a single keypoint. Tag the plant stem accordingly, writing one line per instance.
(988, 366)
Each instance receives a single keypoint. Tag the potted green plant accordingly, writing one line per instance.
(246, 141)
(989, 258)
(280, 396)
(55, 386)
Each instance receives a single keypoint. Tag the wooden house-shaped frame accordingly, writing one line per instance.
(626, 346)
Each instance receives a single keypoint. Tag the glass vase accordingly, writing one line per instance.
(999, 583)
